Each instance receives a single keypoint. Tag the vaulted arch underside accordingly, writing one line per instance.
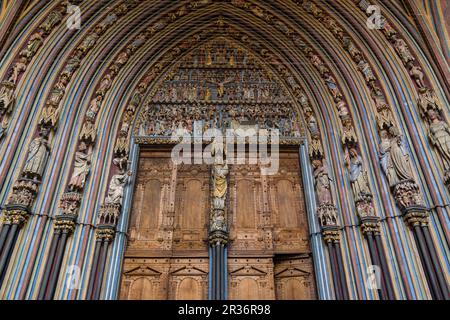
(362, 105)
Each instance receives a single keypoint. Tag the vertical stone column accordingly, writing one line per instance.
(218, 230)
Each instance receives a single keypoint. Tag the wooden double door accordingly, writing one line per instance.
(268, 255)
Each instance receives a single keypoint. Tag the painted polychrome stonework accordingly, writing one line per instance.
(224, 149)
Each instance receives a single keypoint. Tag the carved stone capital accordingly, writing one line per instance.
(105, 232)
(370, 225)
(331, 234)
(16, 214)
(416, 216)
(407, 194)
(218, 237)
(69, 203)
(65, 222)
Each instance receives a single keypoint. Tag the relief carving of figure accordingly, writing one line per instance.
(88, 42)
(105, 84)
(71, 66)
(94, 107)
(37, 156)
(88, 131)
(81, 168)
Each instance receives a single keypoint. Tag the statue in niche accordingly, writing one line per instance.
(71, 66)
(117, 183)
(33, 45)
(105, 84)
(6, 97)
(417, 74)
(49, 116)
(311, 120)
(332, 85)
(88, 42)
(17, 69)
(52, 20)
(37, 155)
(94, 107)
(88, 131)
(365, 68)
(403, 50)
(322, 182)
(439, 133)
(358, 175)
(81, 168)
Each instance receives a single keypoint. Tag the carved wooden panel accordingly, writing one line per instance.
(151, 203)
(294, 279)
(251, 279)
(191, 207)
(169, 278)
(287, 206)
(144, 279)
(268, 251)
(245, 210)
(189, 279)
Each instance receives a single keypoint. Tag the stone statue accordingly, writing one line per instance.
(403, 50)
(81, 168)
(394, 159)
(52, 20)
(322, 182)
(49, 116)
(116, 188)
(332, 85)
(37, 156)
(17, 69)
(358, 176)
(33, 45)
(417, 74)
(6, 97)
(88, 131)
(312, 122)
(439, 134)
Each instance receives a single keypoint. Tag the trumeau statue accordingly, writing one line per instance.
(37, 156)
